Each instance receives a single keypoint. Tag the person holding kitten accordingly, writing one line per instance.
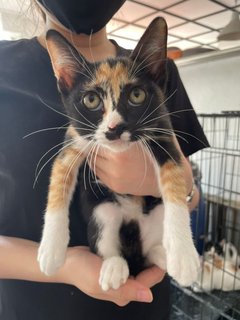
(30, 102)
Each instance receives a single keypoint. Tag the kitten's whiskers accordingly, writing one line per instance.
(146, 110)
(142, 148)
(94, 176)
(162, 103)
(63, 114)
(46, 153)
(85, 167)
(44, 129)
(43, 166)
(164, 131)
(71, 165)
(80, 113)
(160, 146)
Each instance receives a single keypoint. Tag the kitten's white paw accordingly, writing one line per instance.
(51, 256)
(157, 256)
(114, 273)
(183, 264)
(53, 246)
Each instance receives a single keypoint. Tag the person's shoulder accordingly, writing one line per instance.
(15, 51)
(20, 60)
(171, 66)
(9, 48)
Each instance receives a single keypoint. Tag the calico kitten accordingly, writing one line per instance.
(114, 104)
(220, 268)
(223, 250)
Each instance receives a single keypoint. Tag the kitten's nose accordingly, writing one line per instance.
(112, 125)
(114, 131)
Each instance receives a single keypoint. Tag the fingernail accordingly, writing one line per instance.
(144, 296)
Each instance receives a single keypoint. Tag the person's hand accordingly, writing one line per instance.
(128, 172)
(82, 269)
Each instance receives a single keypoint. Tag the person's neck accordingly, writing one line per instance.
(95, 47)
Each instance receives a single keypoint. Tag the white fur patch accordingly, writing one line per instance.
(213, 278)
(157, 256)
(165, 234)
(55, 238)
(129, 209)
(113, 119)
(82, 144)
(108, 218)
(114, 273)
(182, 257)
(125, 136)
(151, 226)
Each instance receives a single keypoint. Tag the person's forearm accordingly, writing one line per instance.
(18, 260)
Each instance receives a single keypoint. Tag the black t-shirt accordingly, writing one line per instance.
(27, 93)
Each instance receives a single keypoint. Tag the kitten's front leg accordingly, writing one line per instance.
(55, 238)
(114, 271)
(182, 257)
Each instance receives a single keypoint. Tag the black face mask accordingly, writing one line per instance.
(82, 16)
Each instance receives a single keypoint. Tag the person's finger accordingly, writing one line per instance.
(132, 290)
(151, 276)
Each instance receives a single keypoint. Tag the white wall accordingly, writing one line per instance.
(212, 80)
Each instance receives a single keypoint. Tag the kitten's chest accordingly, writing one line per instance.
(148, 213)
(130, 208)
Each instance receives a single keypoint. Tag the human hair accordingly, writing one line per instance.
(35, 9)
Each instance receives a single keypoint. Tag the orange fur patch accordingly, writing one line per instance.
(72, 132)
(207, 268)
(218, 263)
(62, 178)
(117, 74)
(173, 183)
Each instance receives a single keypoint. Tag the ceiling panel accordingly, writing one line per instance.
(159, 4)
(217, 21)
(132, 11)
(184, 44)
(132, 32)
(191, 23)
(192, 9)
(229, 3)
(114, 24)
(186, 30)
(171, 20)
(206, 38)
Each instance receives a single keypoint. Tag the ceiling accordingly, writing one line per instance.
(192, 24)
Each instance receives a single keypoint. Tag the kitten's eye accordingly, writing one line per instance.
(137, 96)
(92, 101)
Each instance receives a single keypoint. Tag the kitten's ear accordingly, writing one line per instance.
(151, 50)
(66, 60)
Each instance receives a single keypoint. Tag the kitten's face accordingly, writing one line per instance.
(116, 101)
(116, 104)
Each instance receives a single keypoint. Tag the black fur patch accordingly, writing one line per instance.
(150, 203)
(130, 238)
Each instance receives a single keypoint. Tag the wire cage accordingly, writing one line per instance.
(215, 225)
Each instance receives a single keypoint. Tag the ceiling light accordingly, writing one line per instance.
(232, 30)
